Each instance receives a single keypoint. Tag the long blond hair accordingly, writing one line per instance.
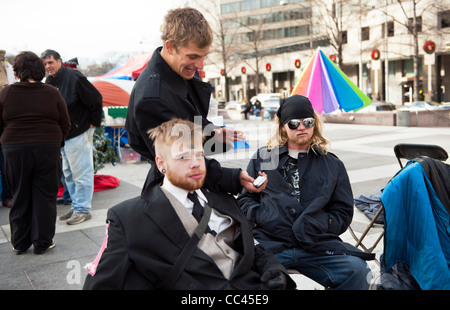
(279, 136)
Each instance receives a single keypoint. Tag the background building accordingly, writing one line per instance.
(262, 45)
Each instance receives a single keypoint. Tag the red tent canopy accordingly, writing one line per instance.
(132, 69)
(115, 92)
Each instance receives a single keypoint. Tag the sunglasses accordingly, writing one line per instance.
(307, 122)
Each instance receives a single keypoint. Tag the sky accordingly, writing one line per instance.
(91, 30)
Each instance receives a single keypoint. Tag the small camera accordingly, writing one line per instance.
(259, 181)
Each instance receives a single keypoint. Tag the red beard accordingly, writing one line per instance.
(186, 182)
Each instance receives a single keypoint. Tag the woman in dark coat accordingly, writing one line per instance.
(34, 123)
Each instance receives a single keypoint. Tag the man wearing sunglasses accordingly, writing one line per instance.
(307, 203)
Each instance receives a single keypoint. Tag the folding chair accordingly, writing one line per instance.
(402, 151)
(410, 151)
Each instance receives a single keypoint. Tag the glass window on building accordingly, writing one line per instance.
(418, 24)
(392, 67)
(275, 17)
(252, 20)
(408, 67)
(390, 29)
(232, 7)
(365, 33)
(344, 37)
(269, 3)
(444, 19)
(247, 5)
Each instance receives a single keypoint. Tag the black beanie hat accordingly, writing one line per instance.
(295, 107)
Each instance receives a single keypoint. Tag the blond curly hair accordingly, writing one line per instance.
(184, 25)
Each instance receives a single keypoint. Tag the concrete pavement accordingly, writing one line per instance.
(367, 152)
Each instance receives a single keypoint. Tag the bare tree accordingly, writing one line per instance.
(253, 43)
(97, 69)
(239, 43)
(224, 41)
(411, 20)
(333, 20)
(224, 48)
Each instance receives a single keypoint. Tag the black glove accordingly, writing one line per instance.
(274, 279)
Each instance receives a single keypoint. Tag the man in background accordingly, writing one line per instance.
(84, 104)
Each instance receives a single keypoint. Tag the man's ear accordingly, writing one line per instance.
(160, 163)
(169, 47)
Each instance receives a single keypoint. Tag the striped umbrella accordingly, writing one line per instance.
(328, 88)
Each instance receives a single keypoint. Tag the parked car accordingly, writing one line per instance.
(445, 105)
(423, 106)
(235, 105)
(268, 101)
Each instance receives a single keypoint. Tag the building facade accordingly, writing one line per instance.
(268, 42)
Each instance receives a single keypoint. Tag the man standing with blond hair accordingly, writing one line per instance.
(169, 88)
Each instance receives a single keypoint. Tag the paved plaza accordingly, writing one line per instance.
(367, 152)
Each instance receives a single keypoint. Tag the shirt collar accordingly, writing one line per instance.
(179, 193)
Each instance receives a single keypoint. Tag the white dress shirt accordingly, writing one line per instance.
(216, 222)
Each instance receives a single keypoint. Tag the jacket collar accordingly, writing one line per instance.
(176, 81)
(54, 80)
(284, 150)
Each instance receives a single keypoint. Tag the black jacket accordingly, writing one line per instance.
(160, 95)
(325, 210)
(84, 101)
(146, 236)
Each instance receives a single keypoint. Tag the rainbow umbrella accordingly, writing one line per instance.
(328, 88)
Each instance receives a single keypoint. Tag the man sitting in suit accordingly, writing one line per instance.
(146, 235)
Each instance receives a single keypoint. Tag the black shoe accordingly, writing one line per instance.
(45, 251)
(19, 252)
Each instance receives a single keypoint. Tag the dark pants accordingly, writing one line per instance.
(6, 192)
(33, 172)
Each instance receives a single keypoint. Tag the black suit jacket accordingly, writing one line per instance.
(146, 236)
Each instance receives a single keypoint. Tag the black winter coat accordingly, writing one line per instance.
(325, 210)
(84, 101)
(160, 95)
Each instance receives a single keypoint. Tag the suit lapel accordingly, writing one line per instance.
(161, 212)
(221, 205)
